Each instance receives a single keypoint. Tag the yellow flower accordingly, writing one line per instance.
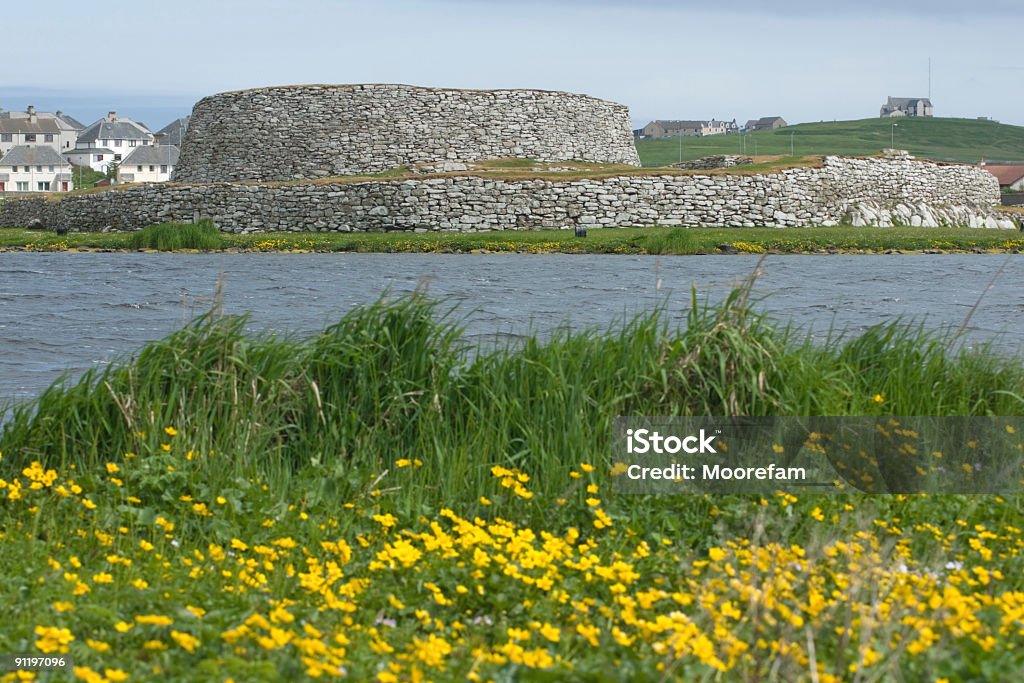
(102, 578)
(97, 645)
(115, 675)
(166, 447)
(170, 431)
(112, 468)
(550, 632)
(878, 398)
(185, 641)
(53, 639)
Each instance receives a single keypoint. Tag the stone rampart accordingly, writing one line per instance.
(315, 131)
(855, 191)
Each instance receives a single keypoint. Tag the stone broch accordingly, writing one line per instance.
(313, 131)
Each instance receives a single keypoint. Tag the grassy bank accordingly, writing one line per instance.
(933, 138)
(651, 240)
(373, 501)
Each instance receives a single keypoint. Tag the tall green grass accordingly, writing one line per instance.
(397, 380)
(170, 236)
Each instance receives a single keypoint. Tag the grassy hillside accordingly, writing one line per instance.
(941, 139)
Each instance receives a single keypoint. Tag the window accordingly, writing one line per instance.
(132, 143)
(117, 157)
(43, 187)
(152, 168)
(30, 137)
(139, 169)
(22, 186)
(118, 143)
(48, 137)
(50, 169)
(163, 168)
(6, 137)
(39, 169)
(99, 157)
(106, 143)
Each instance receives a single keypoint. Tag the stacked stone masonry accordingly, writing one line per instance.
(856, 191)
(315, 131)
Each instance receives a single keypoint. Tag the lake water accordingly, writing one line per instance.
(69, 312)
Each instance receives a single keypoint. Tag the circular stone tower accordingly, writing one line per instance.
(314, 131)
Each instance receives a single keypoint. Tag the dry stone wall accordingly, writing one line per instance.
(315, 131)
(855, 191)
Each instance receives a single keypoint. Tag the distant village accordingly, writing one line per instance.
(46, 151)
(894, 107)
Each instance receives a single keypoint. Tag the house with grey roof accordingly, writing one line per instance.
(174, 132)
(34, 169)
(686, 129)
(896, 107)
(765, 123)
(120, 136)
(149, 164)
(96, 158)
(30, 127)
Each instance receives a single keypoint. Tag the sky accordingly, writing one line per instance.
(804, 60)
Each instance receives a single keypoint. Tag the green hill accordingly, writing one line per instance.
(941, 139)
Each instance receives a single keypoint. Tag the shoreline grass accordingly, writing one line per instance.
(657, 240)
(382, 501)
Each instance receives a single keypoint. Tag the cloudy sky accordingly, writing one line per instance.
(805, 60)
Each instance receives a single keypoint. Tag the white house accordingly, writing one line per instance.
(149, 164)
(55, 130)
(96, 158)
(117, 137)
(34, 169)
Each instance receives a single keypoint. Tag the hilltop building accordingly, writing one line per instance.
(765, 123)
(34, 169)
(57, 131)
(687, 129)
(896, 107)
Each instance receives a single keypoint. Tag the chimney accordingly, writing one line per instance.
(158, 138)
(111, 115)
(31, 109)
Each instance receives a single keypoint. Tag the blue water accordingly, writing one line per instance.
(66, 312)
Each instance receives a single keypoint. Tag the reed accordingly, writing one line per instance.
(396, 380)
(202, 235)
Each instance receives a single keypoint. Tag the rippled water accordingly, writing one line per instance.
(69, 312)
